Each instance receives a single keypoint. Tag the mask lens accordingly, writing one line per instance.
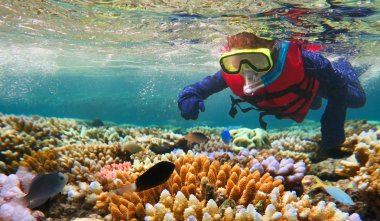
(256, 60)
(231, 64)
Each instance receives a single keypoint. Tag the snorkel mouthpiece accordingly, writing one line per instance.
(252, 82)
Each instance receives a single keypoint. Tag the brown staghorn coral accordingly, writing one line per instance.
(21, 135)
(295, 144)
(208, 131)
(81, 160)
(365, 161)
(213, 144)
(368, 176)
(201, 178)
(307, 130)
(357, 126)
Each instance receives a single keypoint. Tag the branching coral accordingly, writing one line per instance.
(208, 131)
(296, 156)
(368, 178)
(81, 160)
(110, 172)
(20, 135)
(241, 158)
(306, 130)
(212, 145)
(285, 206)
(203, 179)
(295, 144)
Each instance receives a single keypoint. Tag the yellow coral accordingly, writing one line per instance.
(248, 138)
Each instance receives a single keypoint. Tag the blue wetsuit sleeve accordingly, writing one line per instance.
(190, 100)
(207, 86)
(320, 68)
(340, 85)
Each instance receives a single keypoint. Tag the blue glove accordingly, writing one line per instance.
(190, 105)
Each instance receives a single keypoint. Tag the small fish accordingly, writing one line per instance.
(196, 137)
(335, 192)
(226, 136)
(154, 176)
(45, 187)
(133, 148)
(97, 123)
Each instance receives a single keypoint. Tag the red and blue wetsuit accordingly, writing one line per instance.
(335, 81)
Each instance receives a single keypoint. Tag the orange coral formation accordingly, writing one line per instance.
(194, 176)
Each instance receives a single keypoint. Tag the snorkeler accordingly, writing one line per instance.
(283, 79)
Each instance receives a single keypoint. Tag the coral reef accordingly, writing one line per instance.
(252, 178)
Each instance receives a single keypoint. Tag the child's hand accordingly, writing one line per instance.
(190, 105)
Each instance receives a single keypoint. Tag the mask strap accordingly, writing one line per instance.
(270, 77)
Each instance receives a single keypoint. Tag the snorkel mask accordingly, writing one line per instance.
(252, 64)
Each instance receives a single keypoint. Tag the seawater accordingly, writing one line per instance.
(103, 61)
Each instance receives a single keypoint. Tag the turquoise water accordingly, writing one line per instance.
(126, 63)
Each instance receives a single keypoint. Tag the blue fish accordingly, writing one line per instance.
(226, 136)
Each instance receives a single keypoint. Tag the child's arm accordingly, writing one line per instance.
(190, 100)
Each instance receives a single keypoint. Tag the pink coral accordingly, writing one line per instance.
(10, 188)
(109, 172)
(12, 205)
(15, 211)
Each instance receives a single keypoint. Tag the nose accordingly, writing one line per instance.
(245, 67)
